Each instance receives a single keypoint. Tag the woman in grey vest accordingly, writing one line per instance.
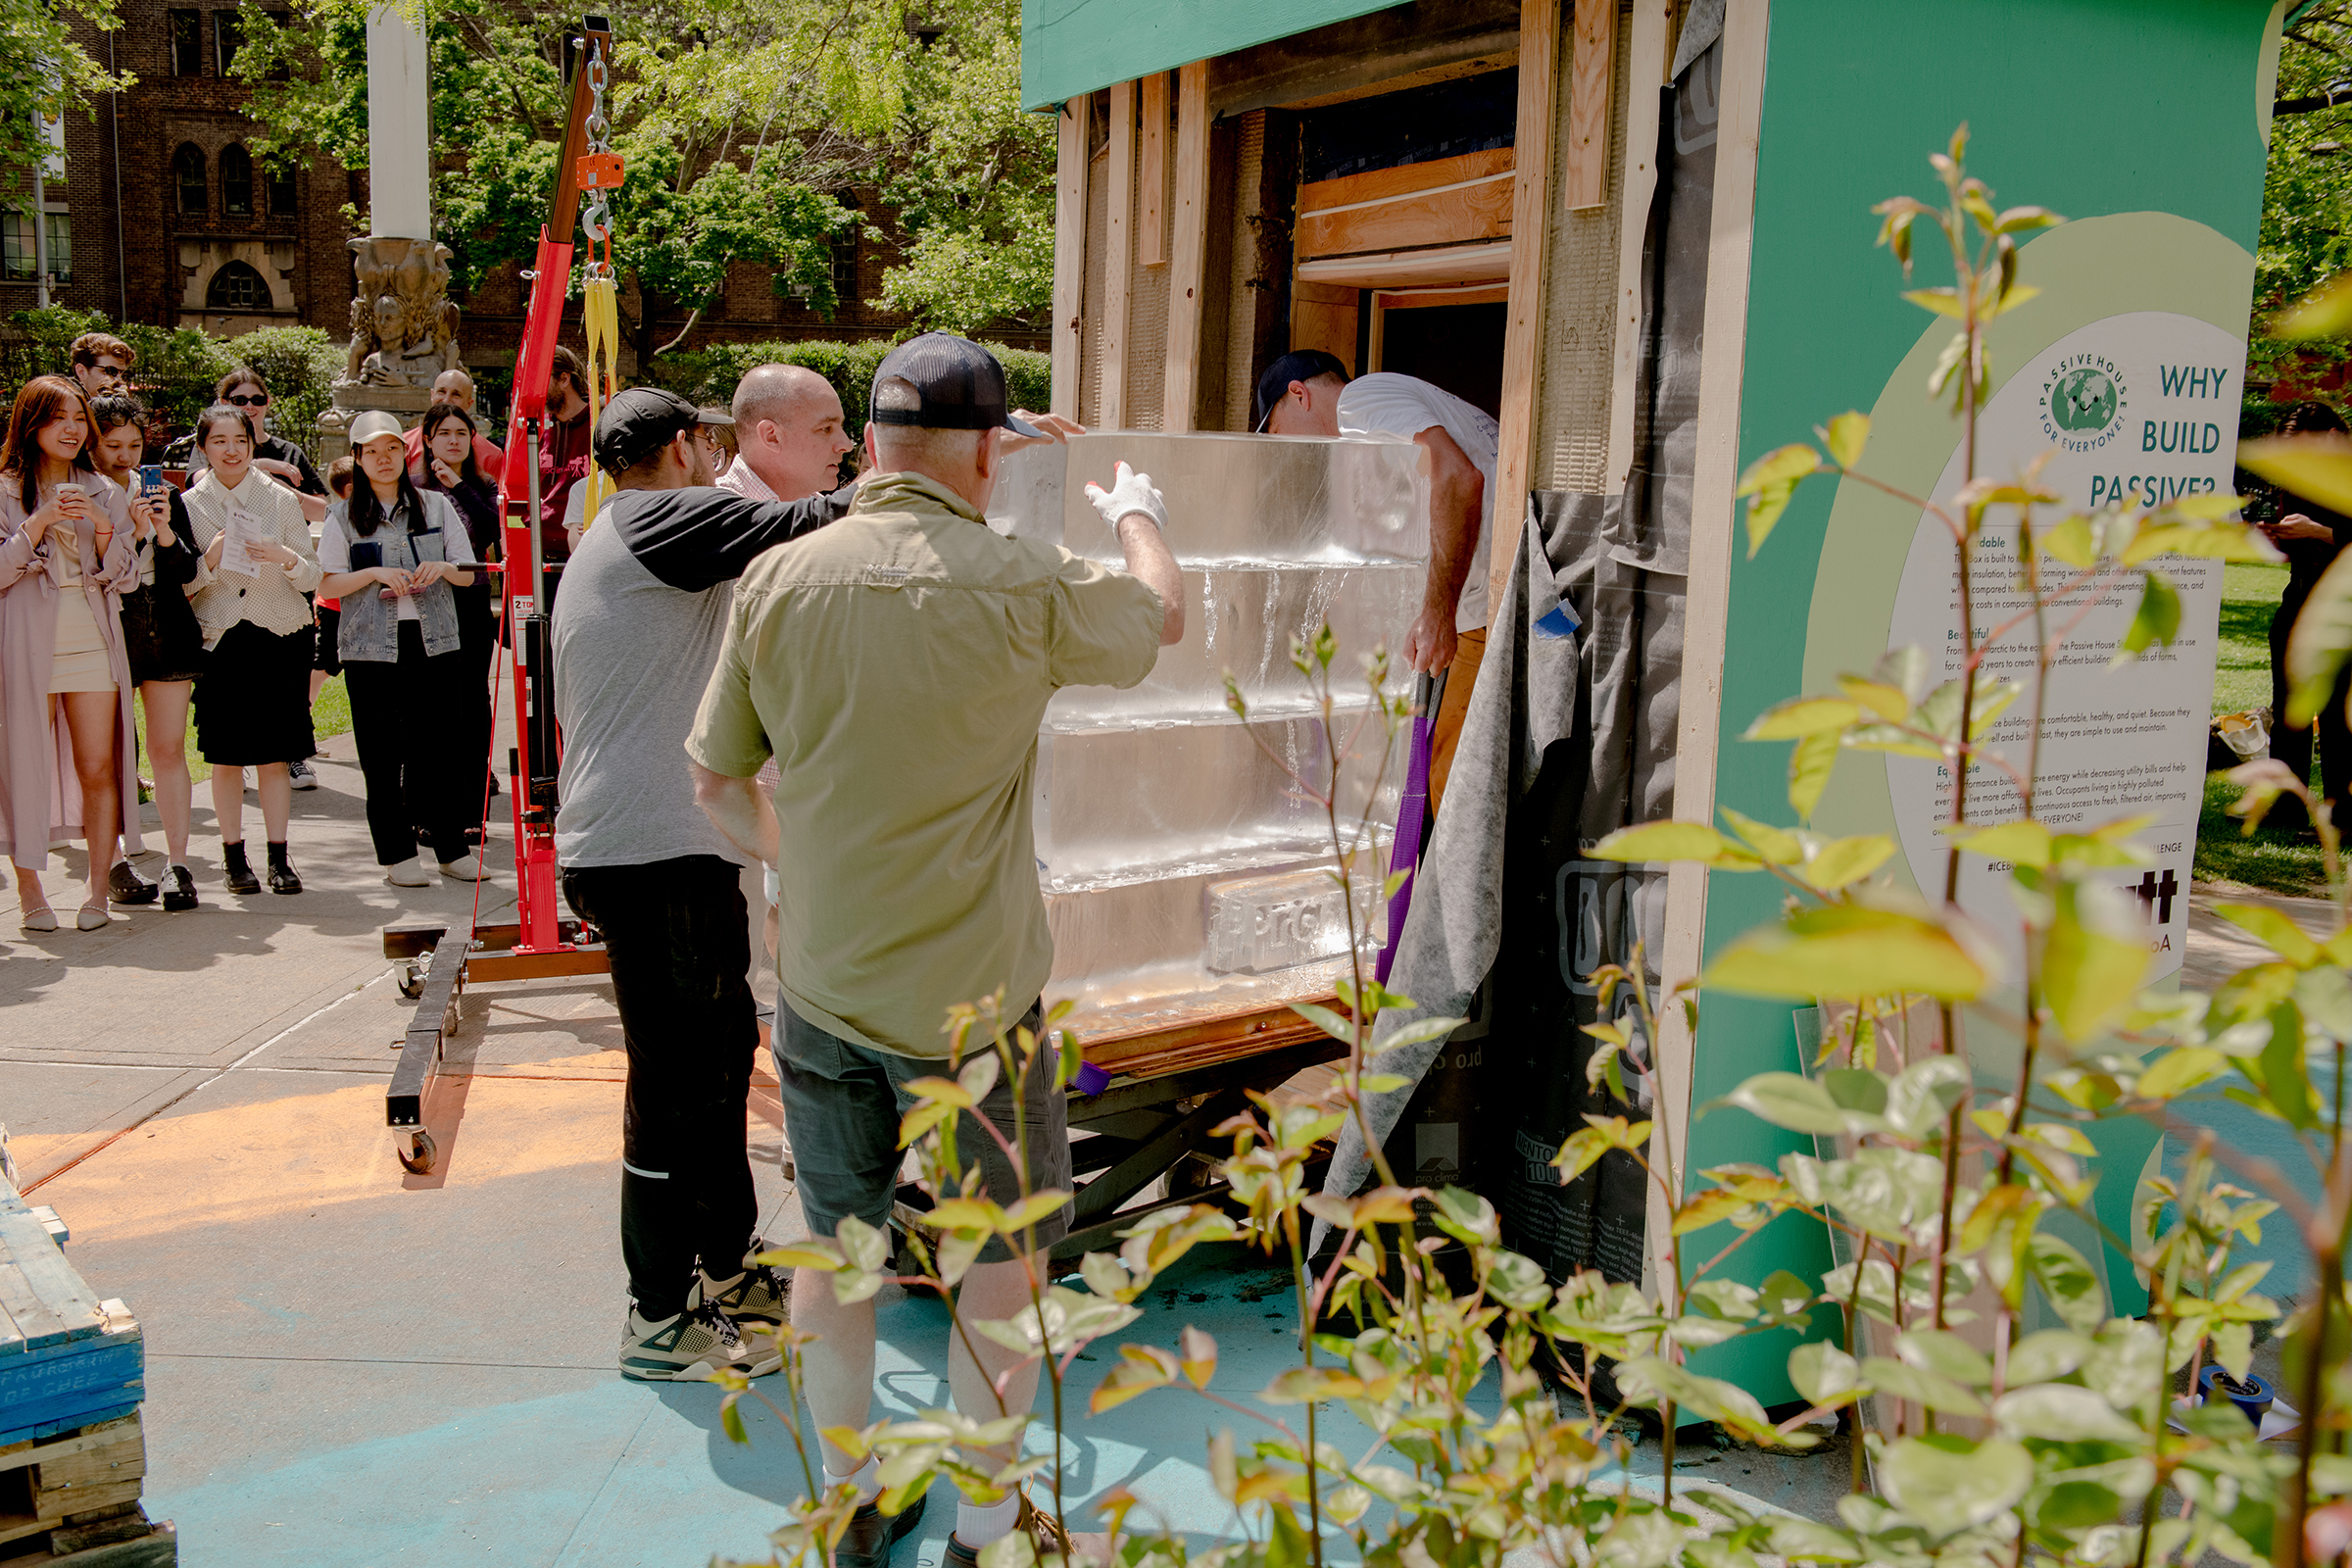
(392, 555)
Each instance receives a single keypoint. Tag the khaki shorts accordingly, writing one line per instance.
(842, 1108)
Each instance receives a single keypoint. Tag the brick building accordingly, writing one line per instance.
(168, 215)
(164, 215)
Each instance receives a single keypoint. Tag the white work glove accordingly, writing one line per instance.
(1132, 494)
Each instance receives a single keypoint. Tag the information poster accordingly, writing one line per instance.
(2138, 408)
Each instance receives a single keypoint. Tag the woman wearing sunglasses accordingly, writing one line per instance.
(393, 556)
(66, 738)
(251, 597)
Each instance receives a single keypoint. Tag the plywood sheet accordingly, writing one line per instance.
(1480, 210)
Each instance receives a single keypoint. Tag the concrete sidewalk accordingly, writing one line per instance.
(348, 1365)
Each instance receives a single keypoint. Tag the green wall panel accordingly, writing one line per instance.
(1071, 47)
(2088, 107)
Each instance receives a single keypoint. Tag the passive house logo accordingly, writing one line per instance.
(2084, 397)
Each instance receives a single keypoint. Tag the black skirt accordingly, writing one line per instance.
(160, 634)
(253, 700)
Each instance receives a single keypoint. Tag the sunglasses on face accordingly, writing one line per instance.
(257, 400)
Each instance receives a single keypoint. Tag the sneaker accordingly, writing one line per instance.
(180, 889)
(409, 873)
(757, 1294)
(689, 1346)
(125, 885)
(464, 868)
(872, 1532)
(299, 775)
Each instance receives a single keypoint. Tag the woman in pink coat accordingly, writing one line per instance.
(68, 757)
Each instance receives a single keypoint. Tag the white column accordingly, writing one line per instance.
(399, 128)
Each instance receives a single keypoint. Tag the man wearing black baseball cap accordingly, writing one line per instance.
(635, 634)
(897, 665)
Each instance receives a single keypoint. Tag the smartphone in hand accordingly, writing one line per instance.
(151, 478)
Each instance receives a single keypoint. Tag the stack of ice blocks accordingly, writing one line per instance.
(1183, 870)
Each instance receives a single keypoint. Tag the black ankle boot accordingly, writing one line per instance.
(240, 875)
(282, 872)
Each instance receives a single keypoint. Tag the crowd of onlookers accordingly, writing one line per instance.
(131, 589)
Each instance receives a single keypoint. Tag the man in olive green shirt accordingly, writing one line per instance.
(898, 665)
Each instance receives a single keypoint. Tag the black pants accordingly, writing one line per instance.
(2294, 747)
(477, 634)
(412, 728)
(679, 936)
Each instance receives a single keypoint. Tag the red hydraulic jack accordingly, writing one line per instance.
(539, 941)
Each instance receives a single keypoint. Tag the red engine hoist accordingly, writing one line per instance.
(539, 941)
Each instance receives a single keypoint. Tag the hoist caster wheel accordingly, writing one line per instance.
(411, 980)
(416, 1158)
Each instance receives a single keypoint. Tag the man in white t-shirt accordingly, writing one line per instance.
(1307, 392)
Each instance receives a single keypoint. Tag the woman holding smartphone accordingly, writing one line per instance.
(450, 466)
(253, 706)
(160, 634)
(395, 556)
(65, 682)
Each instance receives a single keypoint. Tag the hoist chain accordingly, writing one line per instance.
(597, 221)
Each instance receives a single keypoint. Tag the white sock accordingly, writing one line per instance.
(867, 1478)
(978, 1526)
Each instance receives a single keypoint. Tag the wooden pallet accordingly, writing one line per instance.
(68, 1359)
(73, 1497)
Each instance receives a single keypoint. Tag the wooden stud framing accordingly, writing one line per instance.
(1531, 235)
(1713, 526)
(1152, 220)
(1586, 180)
(1652, 39)
(1118, 257)
(1189, 249)
(1069, 255)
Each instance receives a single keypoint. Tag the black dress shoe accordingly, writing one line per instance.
(872, 1532)
(180, 889)
(125, 885)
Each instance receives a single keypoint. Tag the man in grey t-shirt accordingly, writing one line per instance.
(636, 634)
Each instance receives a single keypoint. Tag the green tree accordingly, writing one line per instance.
(44, 75)
(736, 123)
(2307, 191)
(971, 175)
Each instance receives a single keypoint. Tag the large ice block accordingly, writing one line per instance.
(1185, 871)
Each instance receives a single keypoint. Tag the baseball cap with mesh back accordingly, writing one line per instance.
(961, 385)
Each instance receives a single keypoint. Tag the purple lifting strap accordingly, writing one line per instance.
(1412, 812)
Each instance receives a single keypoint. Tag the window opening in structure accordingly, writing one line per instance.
(237, 287)
(188, 42)
(187, 173)
(236, 181)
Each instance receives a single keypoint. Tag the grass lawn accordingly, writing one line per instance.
(2280, 862)
(330, 714)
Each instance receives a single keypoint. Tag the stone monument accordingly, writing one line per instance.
(404, 329)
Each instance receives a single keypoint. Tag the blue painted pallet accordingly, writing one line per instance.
(67, 1359)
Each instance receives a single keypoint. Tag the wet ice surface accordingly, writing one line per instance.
(1165, 826)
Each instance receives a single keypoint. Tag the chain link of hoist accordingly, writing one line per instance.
(597, 221)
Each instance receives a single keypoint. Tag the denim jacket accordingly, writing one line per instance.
(371, 622)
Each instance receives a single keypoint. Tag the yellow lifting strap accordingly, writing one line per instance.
(600, 314)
